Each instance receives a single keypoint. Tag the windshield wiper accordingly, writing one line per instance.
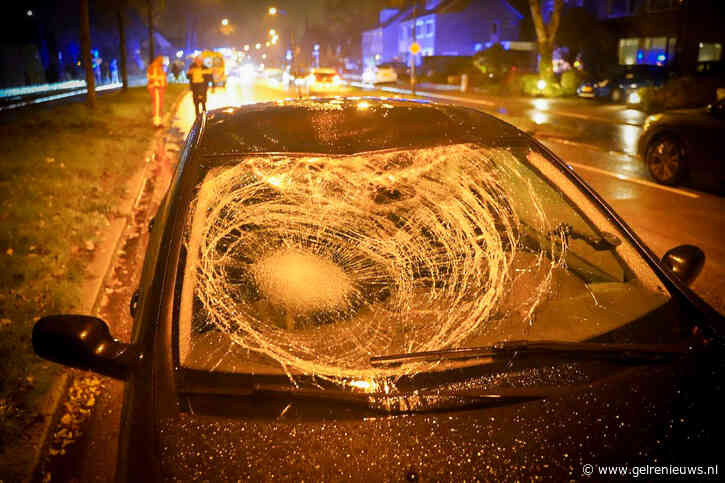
(606, 242)
(510, 349)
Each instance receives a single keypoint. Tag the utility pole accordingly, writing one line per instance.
(151, 30)
(86, 55)
(122, 38)
(412, 55)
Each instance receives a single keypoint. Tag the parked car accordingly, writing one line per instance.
(381, 289)
(685, 143)
(381, 74)
(325, 81)
(622, 84)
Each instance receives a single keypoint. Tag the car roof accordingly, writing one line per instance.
(349, 125)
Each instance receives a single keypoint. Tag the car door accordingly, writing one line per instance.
(713, 129)
(702, 135)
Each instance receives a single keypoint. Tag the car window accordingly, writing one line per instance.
(310, 264)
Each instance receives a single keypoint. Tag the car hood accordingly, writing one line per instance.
(700, 112)
(656, 413)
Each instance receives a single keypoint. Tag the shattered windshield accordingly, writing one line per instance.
(311, 264)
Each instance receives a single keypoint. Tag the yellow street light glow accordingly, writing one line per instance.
(225, 21)
(541, 84)
(274, 40)
(264, 56)
(267, 43)
(363, 105)
(246, 47)
(272, 10)
(272, 32)
(258, 46)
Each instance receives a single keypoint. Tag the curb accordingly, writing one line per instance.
(51, 408)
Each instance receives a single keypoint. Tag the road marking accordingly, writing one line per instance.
(576, 165)
(422, 94)
(592, 118)
(592, 147)
(482, 102)
(634, 180)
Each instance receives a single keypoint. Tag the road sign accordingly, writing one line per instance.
(414, 48)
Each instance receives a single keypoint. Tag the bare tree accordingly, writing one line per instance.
(86, 55)
(545, 35)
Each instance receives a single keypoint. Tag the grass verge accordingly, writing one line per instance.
(62, 174)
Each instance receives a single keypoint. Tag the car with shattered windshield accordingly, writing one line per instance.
(380, 289)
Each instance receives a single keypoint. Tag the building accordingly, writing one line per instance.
(685, 34)
(380, 44)
(443, 28)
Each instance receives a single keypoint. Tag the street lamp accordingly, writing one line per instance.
(272, 32)
(246, 47)
(272, 10)
(258, 46)
(225, 21)
(266, 44)
(29, 13)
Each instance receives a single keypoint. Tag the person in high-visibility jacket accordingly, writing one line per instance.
(156, 85)
(197, 75)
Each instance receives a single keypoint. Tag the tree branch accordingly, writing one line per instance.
(535, 8)
(554, 22)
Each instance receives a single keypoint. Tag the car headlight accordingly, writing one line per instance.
(651, 120)
(634, 98)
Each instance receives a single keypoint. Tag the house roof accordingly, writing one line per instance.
(397, 17)
(456, 6)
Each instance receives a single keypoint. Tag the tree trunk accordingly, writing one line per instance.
(122, 38)
(151, 31)
(86, 55)
(546, 67)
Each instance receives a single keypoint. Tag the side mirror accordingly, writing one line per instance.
(685, 261)
(83, 342)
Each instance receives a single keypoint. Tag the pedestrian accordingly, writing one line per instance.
(176, 69)
(105, 72)
(156, 85)
(198, 80)
(114, 71)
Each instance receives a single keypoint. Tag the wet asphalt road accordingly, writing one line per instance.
(663, 217)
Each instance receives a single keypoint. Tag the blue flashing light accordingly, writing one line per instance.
(661, 57)
(640, 55)
(478, 47)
